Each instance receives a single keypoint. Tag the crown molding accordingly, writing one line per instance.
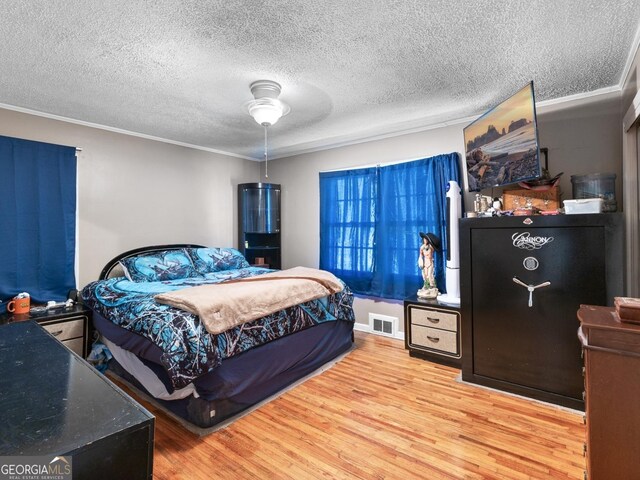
(74, 121)
(419, 126)
(630, 57)
(416, 126)
(580, 98)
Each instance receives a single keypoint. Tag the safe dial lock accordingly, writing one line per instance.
(530, 288)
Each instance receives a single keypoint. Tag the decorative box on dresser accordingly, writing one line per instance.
(612, 393)
(432, 331)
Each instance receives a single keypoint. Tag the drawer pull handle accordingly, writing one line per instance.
(433, 339)
(57, 332)
(433, 320)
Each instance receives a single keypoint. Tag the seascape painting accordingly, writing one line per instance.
(502, 145)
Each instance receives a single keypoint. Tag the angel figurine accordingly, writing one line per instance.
(430, 244)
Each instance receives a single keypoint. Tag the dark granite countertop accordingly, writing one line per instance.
(52, 401)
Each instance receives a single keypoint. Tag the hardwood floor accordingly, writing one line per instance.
(381, 414)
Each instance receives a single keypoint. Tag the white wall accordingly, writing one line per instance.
(631, 169)
(582, 137)
(134, 192)
(630, 85)
(301, 198)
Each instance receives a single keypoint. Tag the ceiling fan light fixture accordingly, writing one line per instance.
(266, 109)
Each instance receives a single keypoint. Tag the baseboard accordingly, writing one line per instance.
(459, 379)
(362, 327)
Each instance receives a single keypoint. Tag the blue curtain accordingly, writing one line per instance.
(412, 200)
(402, 200)
(37, 219)
(347, 225)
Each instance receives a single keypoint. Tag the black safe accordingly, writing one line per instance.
(522, 282)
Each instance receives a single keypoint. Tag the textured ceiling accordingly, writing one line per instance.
(180, 69)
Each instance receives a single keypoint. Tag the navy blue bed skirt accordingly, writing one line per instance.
(245, 379)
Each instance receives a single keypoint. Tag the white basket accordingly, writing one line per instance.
(583, 205)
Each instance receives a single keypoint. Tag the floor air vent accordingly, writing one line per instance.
(383, 324)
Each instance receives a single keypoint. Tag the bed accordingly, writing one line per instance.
(169, 354)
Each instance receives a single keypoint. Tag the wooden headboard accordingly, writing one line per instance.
(114, 269)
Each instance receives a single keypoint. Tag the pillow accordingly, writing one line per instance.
(159, 266)
(209, 260)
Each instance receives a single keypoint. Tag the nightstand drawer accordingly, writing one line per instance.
(434, 338)
(434, 318)
(75, 345)
(66, 329)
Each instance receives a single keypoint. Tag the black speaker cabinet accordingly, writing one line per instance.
(259, 223)
(522, 282)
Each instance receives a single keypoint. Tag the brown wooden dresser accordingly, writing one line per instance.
(612, 394)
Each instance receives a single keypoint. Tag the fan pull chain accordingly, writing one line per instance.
(266, 156)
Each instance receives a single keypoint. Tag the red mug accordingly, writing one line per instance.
(19, 306)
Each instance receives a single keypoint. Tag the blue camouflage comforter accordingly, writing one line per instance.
(188, 350)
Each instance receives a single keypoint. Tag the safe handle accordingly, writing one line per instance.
(530, 288)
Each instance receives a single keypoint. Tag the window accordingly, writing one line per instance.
(371, 219)
(347, 225)
(37, 219)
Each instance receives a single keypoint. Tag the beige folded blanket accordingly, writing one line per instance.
(222, 306)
